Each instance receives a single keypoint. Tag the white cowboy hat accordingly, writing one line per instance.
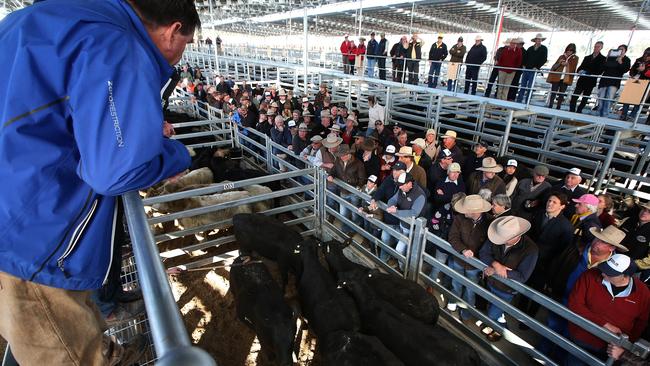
(478, 38)
(490, 165)
(610, 235)
(405, 151)
(538, 35)
(506, 228)
(472, 204)
(332, 141)
(450, 133)
(420, 142)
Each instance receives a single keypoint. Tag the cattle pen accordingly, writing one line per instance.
(187, 254)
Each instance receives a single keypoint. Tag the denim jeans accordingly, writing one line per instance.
(494, 312)
(389, 240)
(330, 201)
(471, 75)
(347, 213)
(457, 287)
(626, 109)
(434, 73)
(441, 256)
(605, 94)
(402, 246)
(450, 85)
(371, 67)
(527, 78)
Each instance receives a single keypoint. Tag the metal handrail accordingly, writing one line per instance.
(169, 334)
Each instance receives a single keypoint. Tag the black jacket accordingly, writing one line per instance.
(381, 50)
(476, 55)
(614, 69)
(636, 238)
(576, 193)
(535, 58)
(591, 66)
(438, 53)
(372, 48)
(582, 234)
(552, 236)
(418, 49)
(384, 192)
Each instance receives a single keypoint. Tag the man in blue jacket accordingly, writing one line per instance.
(83, 125)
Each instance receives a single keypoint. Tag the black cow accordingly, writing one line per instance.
(414, 342)
(260, 305)
(405, 295)
(326, 307)
(344, 348)
(225, 164)
(270, 238)
(336, 260)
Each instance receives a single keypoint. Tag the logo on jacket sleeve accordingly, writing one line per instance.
(113, 111)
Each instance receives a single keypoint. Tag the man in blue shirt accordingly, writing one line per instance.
(372, 51)
(68, 150)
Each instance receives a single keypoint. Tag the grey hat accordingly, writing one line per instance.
(541, 170)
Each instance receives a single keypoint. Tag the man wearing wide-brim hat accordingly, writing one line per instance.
(368, 157)
(407, 156)
(330, 146)
(486, 176)
(610, 297)
(536, 57)
(571, 263)
(449, 143)
(351, 171)
(509, 253)
(467, 234)
(476, 56)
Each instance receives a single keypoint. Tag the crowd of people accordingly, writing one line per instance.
(515, 68)
(552, 235)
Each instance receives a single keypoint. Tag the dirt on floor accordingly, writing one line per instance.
(208, 309)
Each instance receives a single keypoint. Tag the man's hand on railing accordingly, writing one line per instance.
(615, 351)
(612, 328)
(391, 209)
(168, 129)
(468, 253)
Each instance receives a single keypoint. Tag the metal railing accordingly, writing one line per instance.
(531, 134)
(170, 338)
(538, 93)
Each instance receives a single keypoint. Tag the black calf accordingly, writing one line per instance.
(271, 239)
(415, 343)
(345, 348)
(326, 307)
(405, 295)
(260, 305)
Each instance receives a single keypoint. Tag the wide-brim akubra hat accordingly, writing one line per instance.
(332, 141)
(506, 228)
(610, 235)
(472, 204)
(490, 165)
(538, 36)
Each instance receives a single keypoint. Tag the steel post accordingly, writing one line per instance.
(503, 148)
(167, 329)
(608, 160)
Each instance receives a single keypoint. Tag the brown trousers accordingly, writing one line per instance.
(52, 326)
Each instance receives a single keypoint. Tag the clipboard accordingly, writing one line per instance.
(452, 70)
(633, 92)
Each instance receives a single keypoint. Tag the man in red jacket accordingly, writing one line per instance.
(611, 298)
(346, 46)
(510, 60)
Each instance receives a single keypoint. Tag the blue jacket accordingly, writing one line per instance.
(80, 123)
